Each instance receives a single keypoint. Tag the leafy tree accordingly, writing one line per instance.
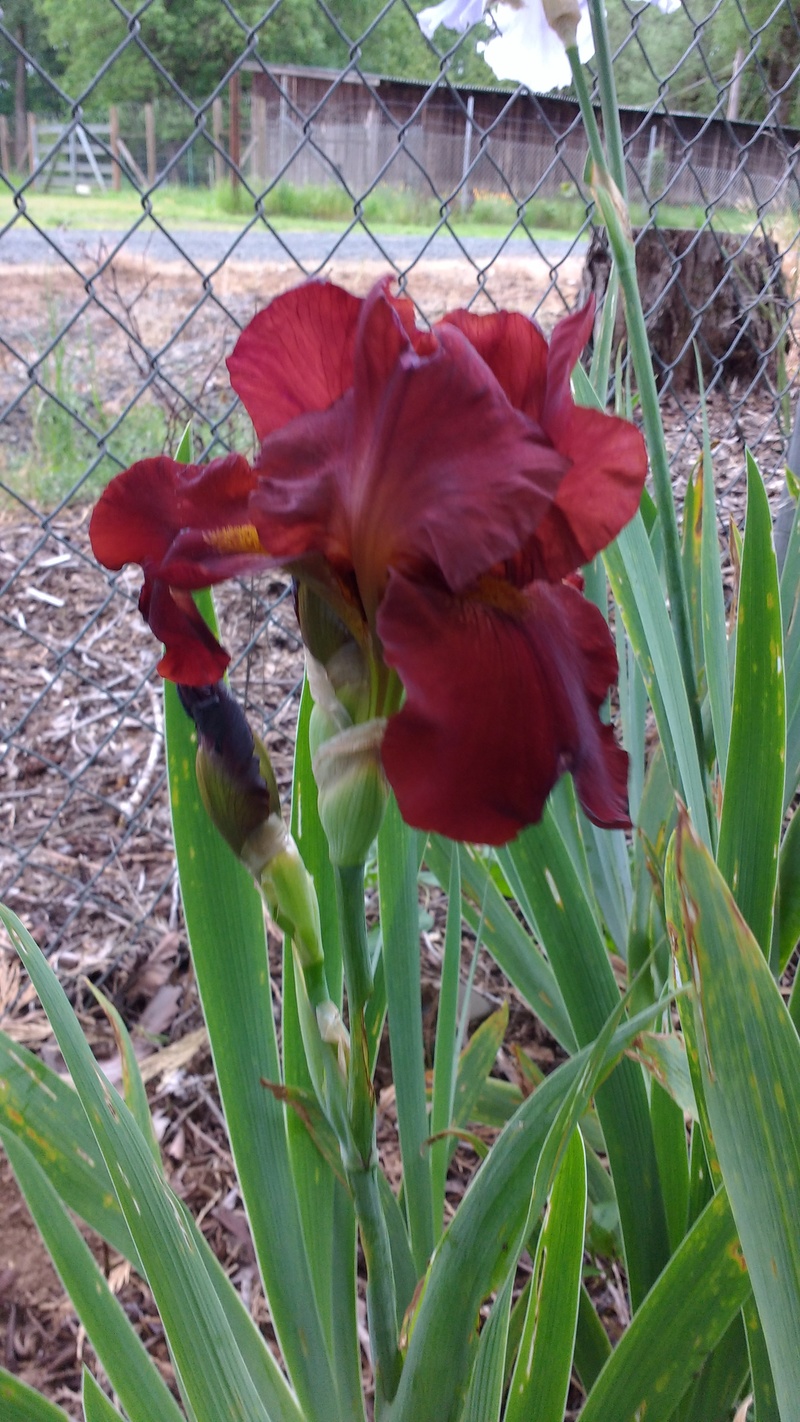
(657, 55)
(397, 47)
(689, 57)
(22, 88)
(686, 57)
(194, 41)
(769, 39)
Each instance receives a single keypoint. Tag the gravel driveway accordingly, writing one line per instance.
(24, 244)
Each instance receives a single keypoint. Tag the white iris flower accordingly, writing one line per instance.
(523, 48)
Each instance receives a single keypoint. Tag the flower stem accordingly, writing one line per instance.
(615, 216)
(360, 1162)
(608, 99)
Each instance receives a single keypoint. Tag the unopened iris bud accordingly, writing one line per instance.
(238, 788)
(352, 790)
(340, 688)
(350, 780)
(234, 776)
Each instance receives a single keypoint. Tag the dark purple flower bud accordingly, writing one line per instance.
(234, 775)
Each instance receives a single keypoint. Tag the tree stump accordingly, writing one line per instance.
(722, 291)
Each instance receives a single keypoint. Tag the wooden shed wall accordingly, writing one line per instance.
(315, 126)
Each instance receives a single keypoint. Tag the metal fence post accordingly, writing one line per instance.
(234, 127)
(150, 143)
(113, 140)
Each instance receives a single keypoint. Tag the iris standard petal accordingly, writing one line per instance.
(446, 473)
(503, 690)
(568, 340)
(296, 355)
(605, 457)
(598, 495)
(426, 465)
(515, 351)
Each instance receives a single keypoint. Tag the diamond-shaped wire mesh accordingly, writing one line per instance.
(152, 201)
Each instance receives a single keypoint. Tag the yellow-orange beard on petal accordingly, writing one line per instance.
(234, 538)
(500, 595)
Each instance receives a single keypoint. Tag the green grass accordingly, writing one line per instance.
(59, 451)
(291, 208)
(56, 440)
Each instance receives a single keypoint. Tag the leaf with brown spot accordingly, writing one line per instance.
(749, 1058)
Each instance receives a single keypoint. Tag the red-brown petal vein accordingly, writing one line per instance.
(446, 472)
(502, 696)
(296, 356)
(515, 351)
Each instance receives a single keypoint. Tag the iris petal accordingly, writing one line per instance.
(188, 526)
(605, 457)
(143, 511)
(426, 465)
(503, 690)
(598, 495)
(296, 355)
(192, 654)
(515, 351)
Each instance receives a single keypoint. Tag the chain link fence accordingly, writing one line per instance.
(138, 236)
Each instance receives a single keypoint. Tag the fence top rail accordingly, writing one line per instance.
(52, 126)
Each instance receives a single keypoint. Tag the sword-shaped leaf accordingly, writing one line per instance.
(203, 1348)
(752, 808)
(20, 1403)
(683, 1318)
(131, 1372)
(225, 922)
(540, 1381)
(749, 1055)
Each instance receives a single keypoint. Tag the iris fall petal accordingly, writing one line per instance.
(192, 654)
(503, 690)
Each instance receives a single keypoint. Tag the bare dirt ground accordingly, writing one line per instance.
(85, 851)
(116, 318)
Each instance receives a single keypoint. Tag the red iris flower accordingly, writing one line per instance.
(437, 488)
